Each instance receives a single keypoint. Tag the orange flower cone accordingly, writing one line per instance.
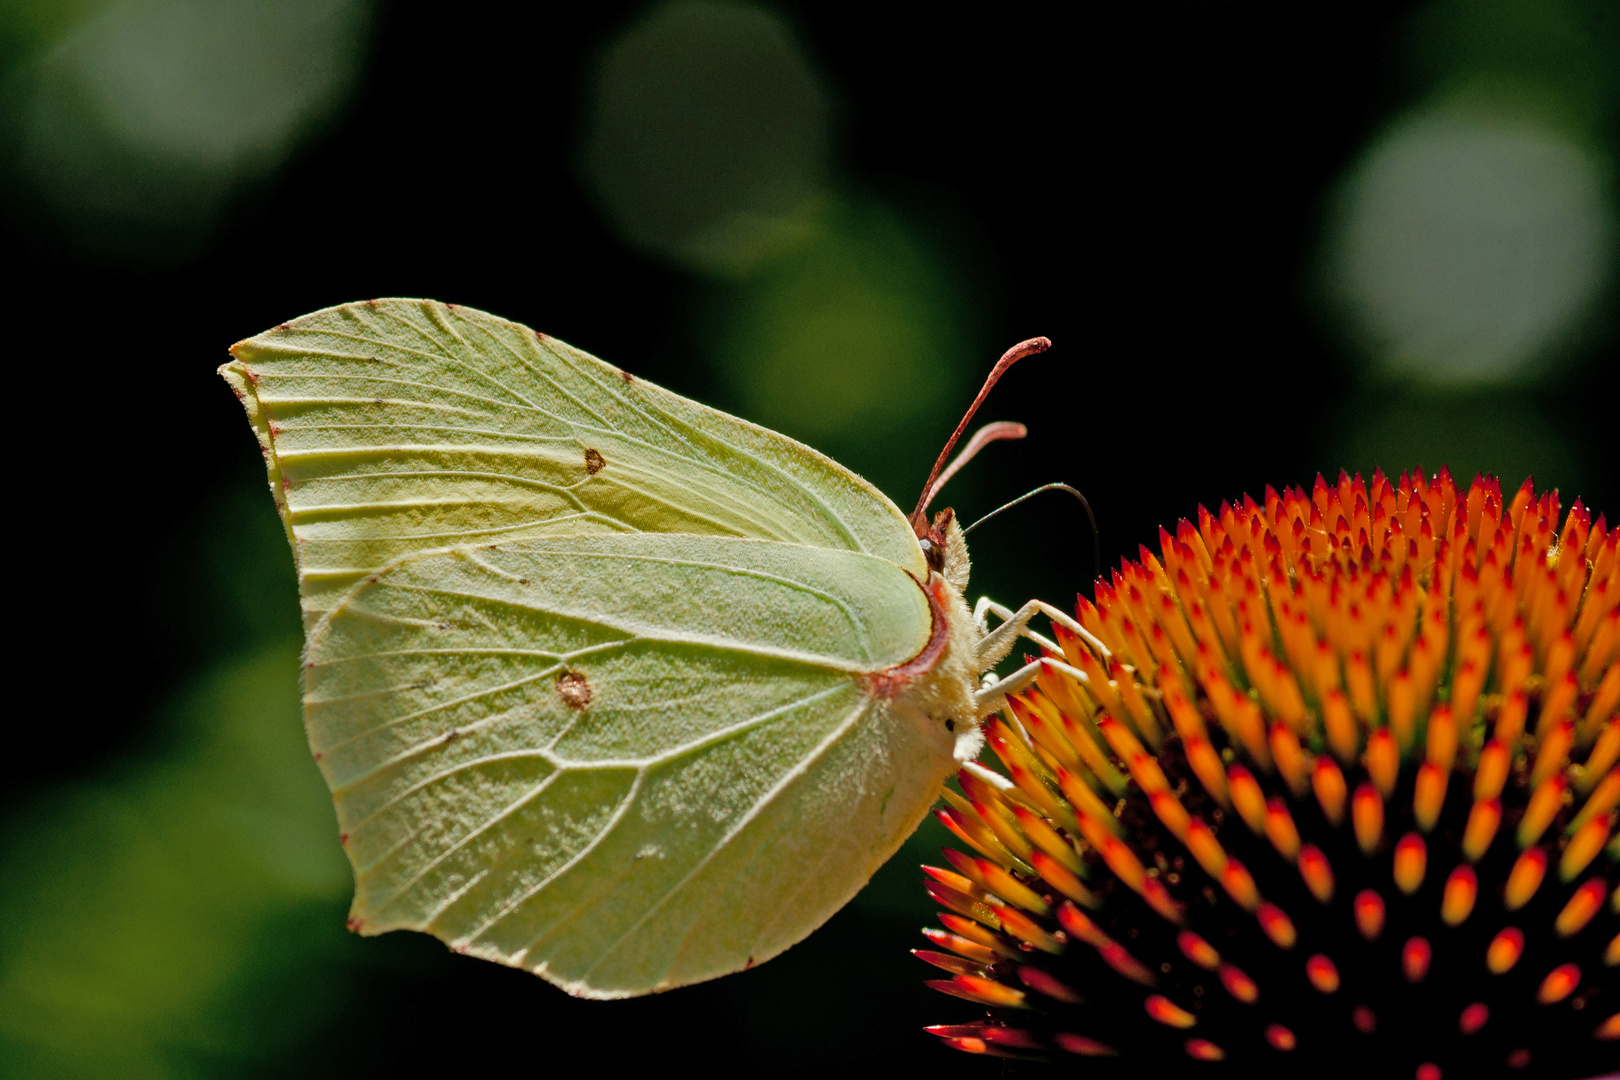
(1325, 787)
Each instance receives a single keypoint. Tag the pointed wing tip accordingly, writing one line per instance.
(241, 350)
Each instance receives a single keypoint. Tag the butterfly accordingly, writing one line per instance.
(607, 685)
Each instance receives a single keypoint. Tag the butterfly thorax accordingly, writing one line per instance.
(941, 692)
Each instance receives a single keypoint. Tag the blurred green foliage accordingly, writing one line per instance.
(152, 913)
(29, 26)
(149, 914)
(1562, 57)
(130, 129)
(1493, 432)
(706, 137)
(859, 343)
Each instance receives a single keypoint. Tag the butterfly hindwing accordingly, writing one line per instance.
(623, 761)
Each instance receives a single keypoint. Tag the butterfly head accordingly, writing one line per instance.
(944, 548)
(931, 538)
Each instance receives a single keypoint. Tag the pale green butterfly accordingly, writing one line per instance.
(607, 685)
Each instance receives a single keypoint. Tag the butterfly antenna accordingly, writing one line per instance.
(1001, 429)
(919, 521)
(1096, 539)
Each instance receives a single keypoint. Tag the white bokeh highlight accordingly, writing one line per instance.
(1469, 247)
(137, 131)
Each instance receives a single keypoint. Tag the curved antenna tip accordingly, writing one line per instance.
(1027, 347)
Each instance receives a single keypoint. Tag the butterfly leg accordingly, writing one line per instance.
(996, 644)
(989, 697)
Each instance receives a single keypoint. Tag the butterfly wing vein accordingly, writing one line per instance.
(585, 659)
(624, 761)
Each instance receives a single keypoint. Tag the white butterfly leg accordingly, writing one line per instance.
(990, 697)
(994, 645)
(997, 643)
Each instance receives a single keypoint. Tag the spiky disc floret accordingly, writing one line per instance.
(1327, 786)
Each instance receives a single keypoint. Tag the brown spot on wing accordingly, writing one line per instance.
(575, 689)
(594, 462)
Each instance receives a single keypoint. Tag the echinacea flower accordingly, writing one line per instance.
(1324, 788)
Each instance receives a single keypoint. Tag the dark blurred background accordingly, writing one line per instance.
(1266, 239)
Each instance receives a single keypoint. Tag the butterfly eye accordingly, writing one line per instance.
(933, 554)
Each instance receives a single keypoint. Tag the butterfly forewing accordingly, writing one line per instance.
(623, 761)
(398, 426)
